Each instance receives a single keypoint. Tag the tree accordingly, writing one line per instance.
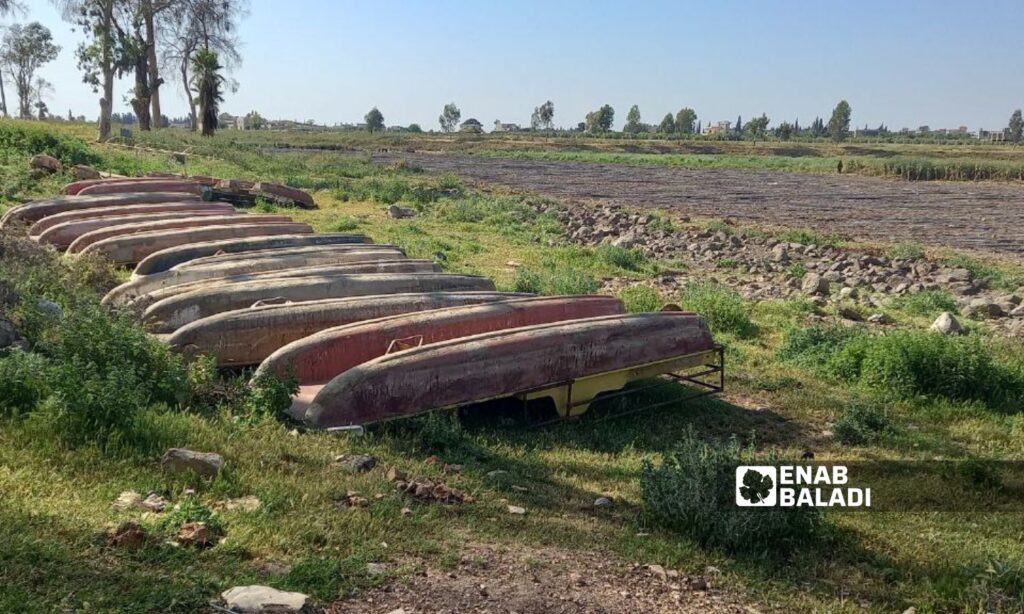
(415, 128)
(542, 116)
(96, 54)
(450, 116)
(839, 124)
(600, 120)
(7, 7)
(374, 120)
(23, 51)
(818, 128)
(255, 121)
(685, 119)
(1016, 126)
(41, 89)
(784, 131)
(757, 127)
(194, 25)
(633, 125)
(208, 81)
(739, 126)
(667, 125)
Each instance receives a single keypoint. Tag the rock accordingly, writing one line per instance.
(698, 584)
(602, 502)
(849, 313)
(878, 318)
(356, 463)
(283, 194)
(397, 213)
(197, 534)
(396, 475)
(46, 163)
(515, 509)
(376, 569)
(49, 308)
(248, 503)
(180, 460)
(127, 500)
(947, 324)
(497, 473)
(128, 535)
(814, 283)
(1016, 313)
(8, 334)
(627, 240)
(847, 292)
(780, 253)
(257, 599)
(153, 503)
(984, 308)
(910, 610)
(82, 171)
(658, 571)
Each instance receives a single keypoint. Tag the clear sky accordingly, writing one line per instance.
(941, 63)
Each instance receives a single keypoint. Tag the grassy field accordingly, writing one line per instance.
(790, 389)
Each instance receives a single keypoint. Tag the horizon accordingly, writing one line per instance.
(453, 51)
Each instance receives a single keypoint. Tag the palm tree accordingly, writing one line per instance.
(208, 80)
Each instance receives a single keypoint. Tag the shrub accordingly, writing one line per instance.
(814, 346)
(269, 395)
(190, 510)
(722, 308)
(641, 298)
(926, 303)
(28, 140)
(346, 223)
(23, 382)
(693, 492)
(806, 236)
(527, 280)
(630, 259)
(568, 280)
(906, 251)
(861, 423)
(727, 263)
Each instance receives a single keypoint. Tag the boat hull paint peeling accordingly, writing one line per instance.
(32, 212)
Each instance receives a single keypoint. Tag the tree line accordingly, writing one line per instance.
(192, 42)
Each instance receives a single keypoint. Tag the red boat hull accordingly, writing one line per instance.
(63, 235)
(32, 212)
(199, 221)
(501, 364)
(161, 185)
(155, 208)
(328, 353)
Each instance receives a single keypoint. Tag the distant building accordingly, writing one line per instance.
(723, 127)
(500, 127)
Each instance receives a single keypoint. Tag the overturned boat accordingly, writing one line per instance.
(172, 313)
(570, 362)
(50, 221)
(131, 249)
(183, 186)
(170, 257)
(324, 355)
(216, 267)
(248, 336)
(233, 218)
(64, 234)
(34, 211)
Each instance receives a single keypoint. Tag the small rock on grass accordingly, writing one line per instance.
(515, 509)
(257, 599)
(129, 535)
(180, 460)
(197, 534)
(356, 463)
(603, 502)
(947, 324)
(248, 503)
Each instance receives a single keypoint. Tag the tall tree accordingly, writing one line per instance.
(839, 124)
(194, 25)
(1016, 126)
(739, 126)
(600, 120)
(450, 116)
(633, 121)
(208, 81)
(96, 55)
(23, 51)
(667, 125)
(7, 8)
(784, 131)
(685, 119)
(757, 127)
(374, 120)
(543, 116)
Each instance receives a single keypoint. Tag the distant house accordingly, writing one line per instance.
(723, 127)
(500, 127)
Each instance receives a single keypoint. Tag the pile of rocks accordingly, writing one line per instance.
(761, 266)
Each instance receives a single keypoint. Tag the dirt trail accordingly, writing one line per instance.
(984, 216)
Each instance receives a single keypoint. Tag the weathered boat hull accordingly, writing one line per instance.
(176, 311)
(197, 221)
(32, 212)
(162, 185)
(500, 364)
(352, 268)
(145, 284)
(146, 209)
(326, 354)
(63, 235)
(131, 249)
(248, 336)
(170, 257)
(280, 254)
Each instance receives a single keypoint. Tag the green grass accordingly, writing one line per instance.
(55, 492)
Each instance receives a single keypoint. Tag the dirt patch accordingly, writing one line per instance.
(985, 216)
(549, 581)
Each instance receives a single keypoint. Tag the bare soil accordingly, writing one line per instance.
(496, 580)
(983, 216)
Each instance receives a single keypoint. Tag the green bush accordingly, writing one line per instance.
(640, 298)
(269, 395)
(527, 280)
(926, 303)
(861, 423)
(814, 346)
(25, 140)
(24, 382)
(906, 251)
(190, 510)
(630, 259)
(554, 281)
(721, 307)
(346, 223)
(806, 236)
(693, 492)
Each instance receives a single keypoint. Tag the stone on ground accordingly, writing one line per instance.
(356, 463)
(180, 460)
(257, 599)
(947, 325)
(83, 171)
(46, 163)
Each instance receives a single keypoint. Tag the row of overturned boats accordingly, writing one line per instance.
(368, 333)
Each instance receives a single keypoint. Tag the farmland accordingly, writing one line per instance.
(801, 377)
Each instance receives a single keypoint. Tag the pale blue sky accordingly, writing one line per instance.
(905, 63)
